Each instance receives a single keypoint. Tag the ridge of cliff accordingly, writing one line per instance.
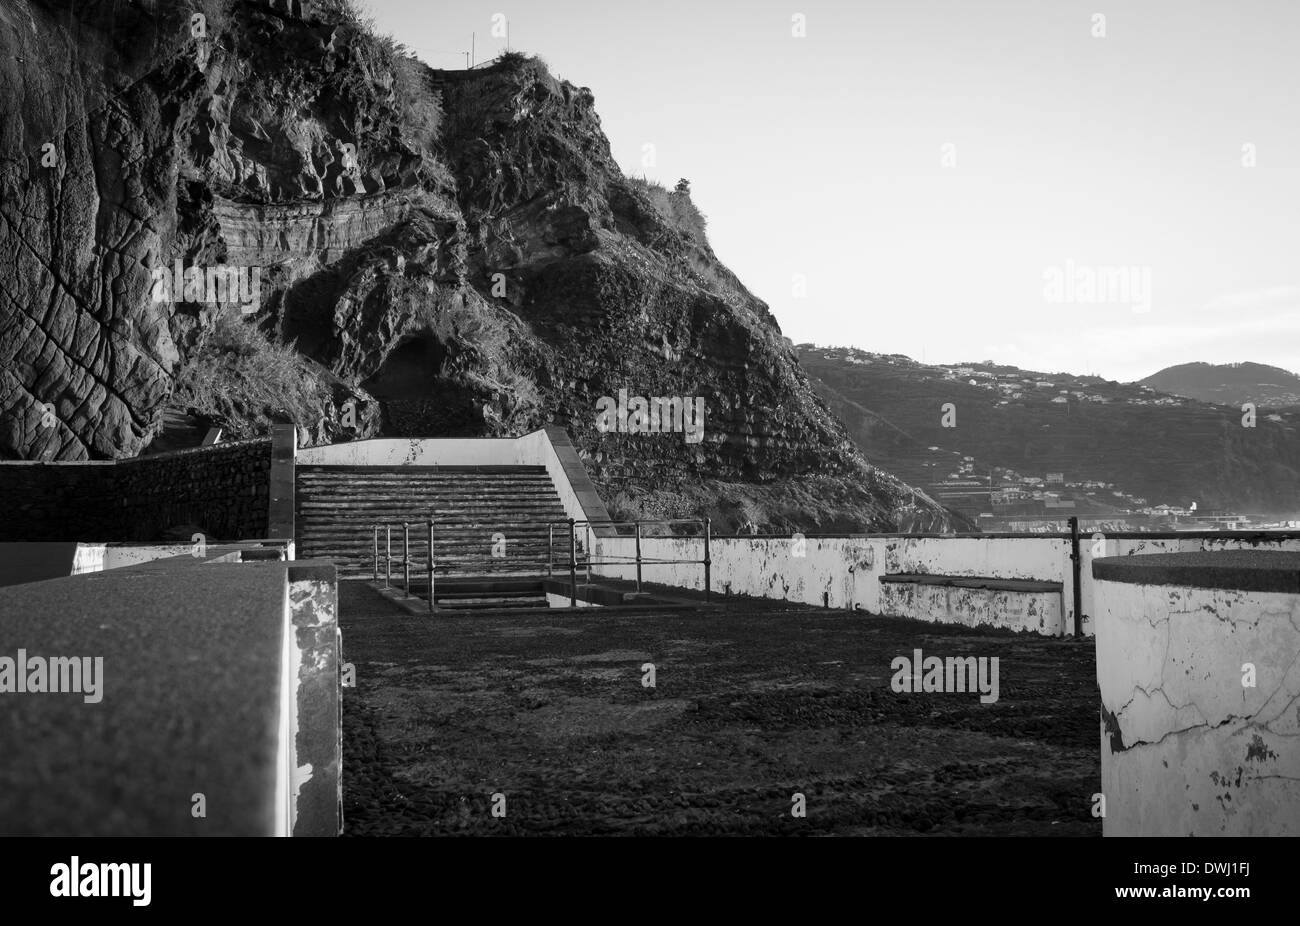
(432, 253)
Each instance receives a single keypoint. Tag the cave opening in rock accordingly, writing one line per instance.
(421, 396)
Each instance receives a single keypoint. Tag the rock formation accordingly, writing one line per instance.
(460, 242)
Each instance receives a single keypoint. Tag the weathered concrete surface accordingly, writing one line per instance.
(844, 572)
(1027, 608)
(467, 451)
(190, 701)
(317, 785)
(1200, 692)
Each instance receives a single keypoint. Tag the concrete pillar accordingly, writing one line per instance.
(1198, 665)
(284, 451)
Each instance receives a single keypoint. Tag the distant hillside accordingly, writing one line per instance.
(1229, 383)
(1162, 448)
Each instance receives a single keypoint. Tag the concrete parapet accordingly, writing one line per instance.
(1198, 665)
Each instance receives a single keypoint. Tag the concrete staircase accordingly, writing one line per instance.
(337, 507)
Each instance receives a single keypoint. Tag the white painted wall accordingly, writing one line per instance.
(88, 558)
(1092, 547)
(486, 451)
(116, 557)
(1203, 754)
(563, 601)
(1035, 612)
(847, 570)
(536, 449)
(96, 557)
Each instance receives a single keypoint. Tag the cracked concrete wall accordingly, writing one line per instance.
(766, 567)
(1187, 748)
(848, 570)
(315, 778)
(844, 572)
(1036, 612)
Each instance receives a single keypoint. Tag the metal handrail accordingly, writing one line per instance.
(707, 561)
(406, 559)
(611, 559)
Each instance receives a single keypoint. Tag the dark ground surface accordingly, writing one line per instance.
(750, 707)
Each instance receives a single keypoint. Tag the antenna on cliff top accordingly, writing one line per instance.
(473, 48)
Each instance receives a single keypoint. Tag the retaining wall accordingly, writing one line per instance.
(844, 572)
(222, 491)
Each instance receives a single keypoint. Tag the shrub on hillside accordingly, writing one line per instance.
(675, 206)
(238, 376)
(344, 11)
(513, 60)
(419, 104)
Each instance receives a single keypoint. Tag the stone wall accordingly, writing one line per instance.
(222, 491)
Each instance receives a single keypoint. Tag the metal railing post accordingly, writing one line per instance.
(550, 550)
(376, 527)
(1076, 558)
(432, 607)
(587, 548)
(708, 559)
(638, 557)
(388, 556)
(573, 564)
(406, 557)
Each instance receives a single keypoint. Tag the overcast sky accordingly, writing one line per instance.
(1116, 159)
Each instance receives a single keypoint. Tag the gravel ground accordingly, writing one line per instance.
(750, 707)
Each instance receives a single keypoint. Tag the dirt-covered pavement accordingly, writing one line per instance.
(750, 707)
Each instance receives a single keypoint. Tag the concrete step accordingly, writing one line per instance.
(367, 494)
(363, 533)
(398, 490)
(419, 562)
(486, 564)
(444, 483)
(505, 469)
(493, 604)
(447, 481)
(338, 508)
(359, 507)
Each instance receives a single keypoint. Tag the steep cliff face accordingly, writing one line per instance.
(451, 253)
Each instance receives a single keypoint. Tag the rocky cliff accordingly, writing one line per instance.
(447, 253)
